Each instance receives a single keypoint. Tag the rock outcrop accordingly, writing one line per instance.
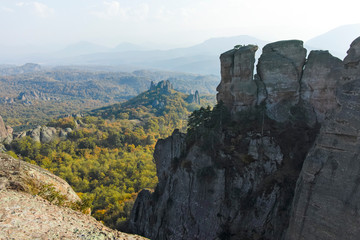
(19, 175)
(25, 214)
(43, 134)
(288, 167)
(5, 132)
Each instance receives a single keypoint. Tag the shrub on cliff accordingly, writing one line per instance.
(205, 125)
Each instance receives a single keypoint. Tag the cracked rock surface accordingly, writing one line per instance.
(24, 216)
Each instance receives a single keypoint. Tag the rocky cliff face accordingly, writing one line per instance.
(327, 195)
(285, 169)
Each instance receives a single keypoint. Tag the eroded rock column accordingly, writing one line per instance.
(237, 89)
(280, 69)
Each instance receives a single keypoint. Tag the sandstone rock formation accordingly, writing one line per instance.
(318, 84)
(284, 80)
(237, 89)
(164, 86)
(241, 194)
(280, 69)
(327, 195)
(283, 177)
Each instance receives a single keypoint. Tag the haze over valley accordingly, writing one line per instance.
(165, 119)
(201, 58)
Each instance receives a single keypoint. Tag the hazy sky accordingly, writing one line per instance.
(170, 22)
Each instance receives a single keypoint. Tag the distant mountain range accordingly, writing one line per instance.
(337, 41)
(200, 59)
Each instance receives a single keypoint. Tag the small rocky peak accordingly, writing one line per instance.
(194, 98)
(197, 97)
(152, 86)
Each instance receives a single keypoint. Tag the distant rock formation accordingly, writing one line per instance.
(165, 86)
(26, 68)
(193, 98)
(44, 134)
(152, 86)
(292, 175)
(28, 97)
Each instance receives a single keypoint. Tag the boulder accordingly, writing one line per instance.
(35, 133)
(47, 134)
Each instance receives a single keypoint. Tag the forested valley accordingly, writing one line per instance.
(106, 154)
